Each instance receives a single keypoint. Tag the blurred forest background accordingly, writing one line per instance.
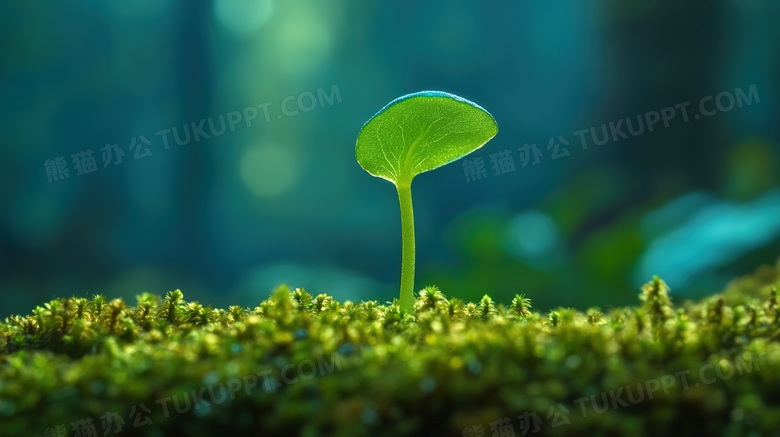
(227, 218)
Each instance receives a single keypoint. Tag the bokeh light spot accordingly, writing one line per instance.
(304, 42)
(532, 233)
(242, 17)
(268, 170)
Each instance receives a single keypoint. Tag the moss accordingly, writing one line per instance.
(308, 365)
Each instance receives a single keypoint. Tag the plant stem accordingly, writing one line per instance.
(407, 239)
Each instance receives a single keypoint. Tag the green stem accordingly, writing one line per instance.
(407, 235)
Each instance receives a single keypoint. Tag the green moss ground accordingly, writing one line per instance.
(364, 369)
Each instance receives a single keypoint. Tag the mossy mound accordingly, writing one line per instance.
(308, 365)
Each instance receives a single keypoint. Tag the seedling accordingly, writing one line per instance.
(411, 135)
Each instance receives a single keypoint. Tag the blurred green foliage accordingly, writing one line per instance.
(230, 216)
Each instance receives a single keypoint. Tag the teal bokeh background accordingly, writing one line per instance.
(227, 218)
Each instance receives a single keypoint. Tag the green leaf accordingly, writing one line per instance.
(414, 134)
(420, 132)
